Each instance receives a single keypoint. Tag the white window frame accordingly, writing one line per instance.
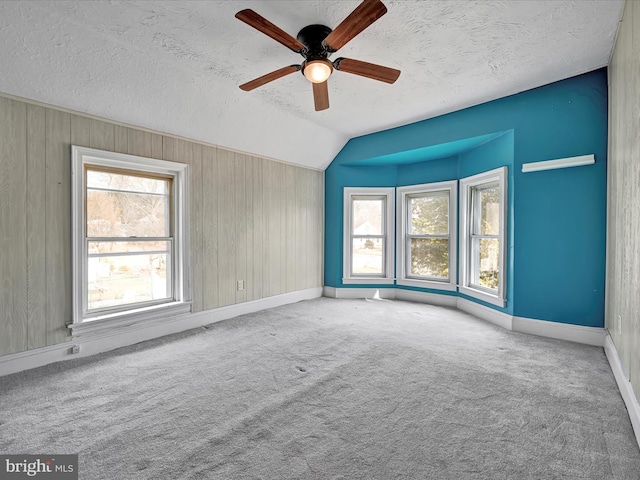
(388, 194)
(181, 300)
(404, 194)
(466, 219)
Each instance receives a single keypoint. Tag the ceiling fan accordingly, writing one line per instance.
(316, 43)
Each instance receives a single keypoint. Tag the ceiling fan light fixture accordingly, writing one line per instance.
(318, 70)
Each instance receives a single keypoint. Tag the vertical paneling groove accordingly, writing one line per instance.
(281, 192)
(249, 244)
(13, 227)
(274, 214)
(623, 182)
(80, 131)
(259, 228)
(300, 247)
(312, 235)
(226, 230)
(58, 221)
(156, 145)
(138, 143)
(251, 219)
(312, 229)
(36, 227)
(121, 139)
(210, 228)
(240, 216)
(290, 261)
(103, 135)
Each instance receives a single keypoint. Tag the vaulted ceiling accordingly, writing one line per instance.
(175, 66)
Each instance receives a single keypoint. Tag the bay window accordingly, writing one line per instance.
(483, 236)
(426, 241)
(368, 239)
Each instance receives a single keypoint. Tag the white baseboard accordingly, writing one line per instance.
(425, 297)
(391, 294)
(491, 315)
(369, 292)
(624, 385)
(122, 336)
(561, 331)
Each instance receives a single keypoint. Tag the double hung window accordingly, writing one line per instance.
(368, 248)
(482, 247)
(427, 235)
(129, 234)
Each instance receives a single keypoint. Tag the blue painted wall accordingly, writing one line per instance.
(557, 218)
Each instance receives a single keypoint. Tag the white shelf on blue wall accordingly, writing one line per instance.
(560, 163)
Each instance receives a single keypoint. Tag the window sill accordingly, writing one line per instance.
(130, 317)
(412, 282)
(368, 281)
(485, 297)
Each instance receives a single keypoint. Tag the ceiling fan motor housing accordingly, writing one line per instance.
(312, 37)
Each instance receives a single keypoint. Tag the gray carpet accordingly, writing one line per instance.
(330, 389)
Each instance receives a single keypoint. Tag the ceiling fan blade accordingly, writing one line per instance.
(365, 69)
(260, 23)
(321, 95)
(269, 77)
(364, 15)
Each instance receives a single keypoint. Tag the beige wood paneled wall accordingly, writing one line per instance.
(622, 314)
(251, 219)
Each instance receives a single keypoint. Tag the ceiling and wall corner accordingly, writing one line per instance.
(175, 66)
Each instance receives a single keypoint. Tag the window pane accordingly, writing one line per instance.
(429, 215)
(105, 248)
(127, 183)
(486, 201)
(126, 214)
(367, 256)
(367, 217)
(123, 280)
(430, 257)
(485, 253)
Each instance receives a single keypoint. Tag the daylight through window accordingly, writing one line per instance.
(368, 235)
(427, 235)
(130, 235)
(129, 239)
(482, 247)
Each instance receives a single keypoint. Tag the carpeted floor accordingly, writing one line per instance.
(330, 389)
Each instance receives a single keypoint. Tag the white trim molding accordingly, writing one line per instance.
(559, 163)
(624, 385)
(98, 341)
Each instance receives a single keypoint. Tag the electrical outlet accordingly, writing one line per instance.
(74, 349)
(240, 285)
(619, 323)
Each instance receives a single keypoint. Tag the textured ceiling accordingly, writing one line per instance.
(175, 66)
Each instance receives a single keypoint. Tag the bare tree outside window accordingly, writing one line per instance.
(128, 220)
